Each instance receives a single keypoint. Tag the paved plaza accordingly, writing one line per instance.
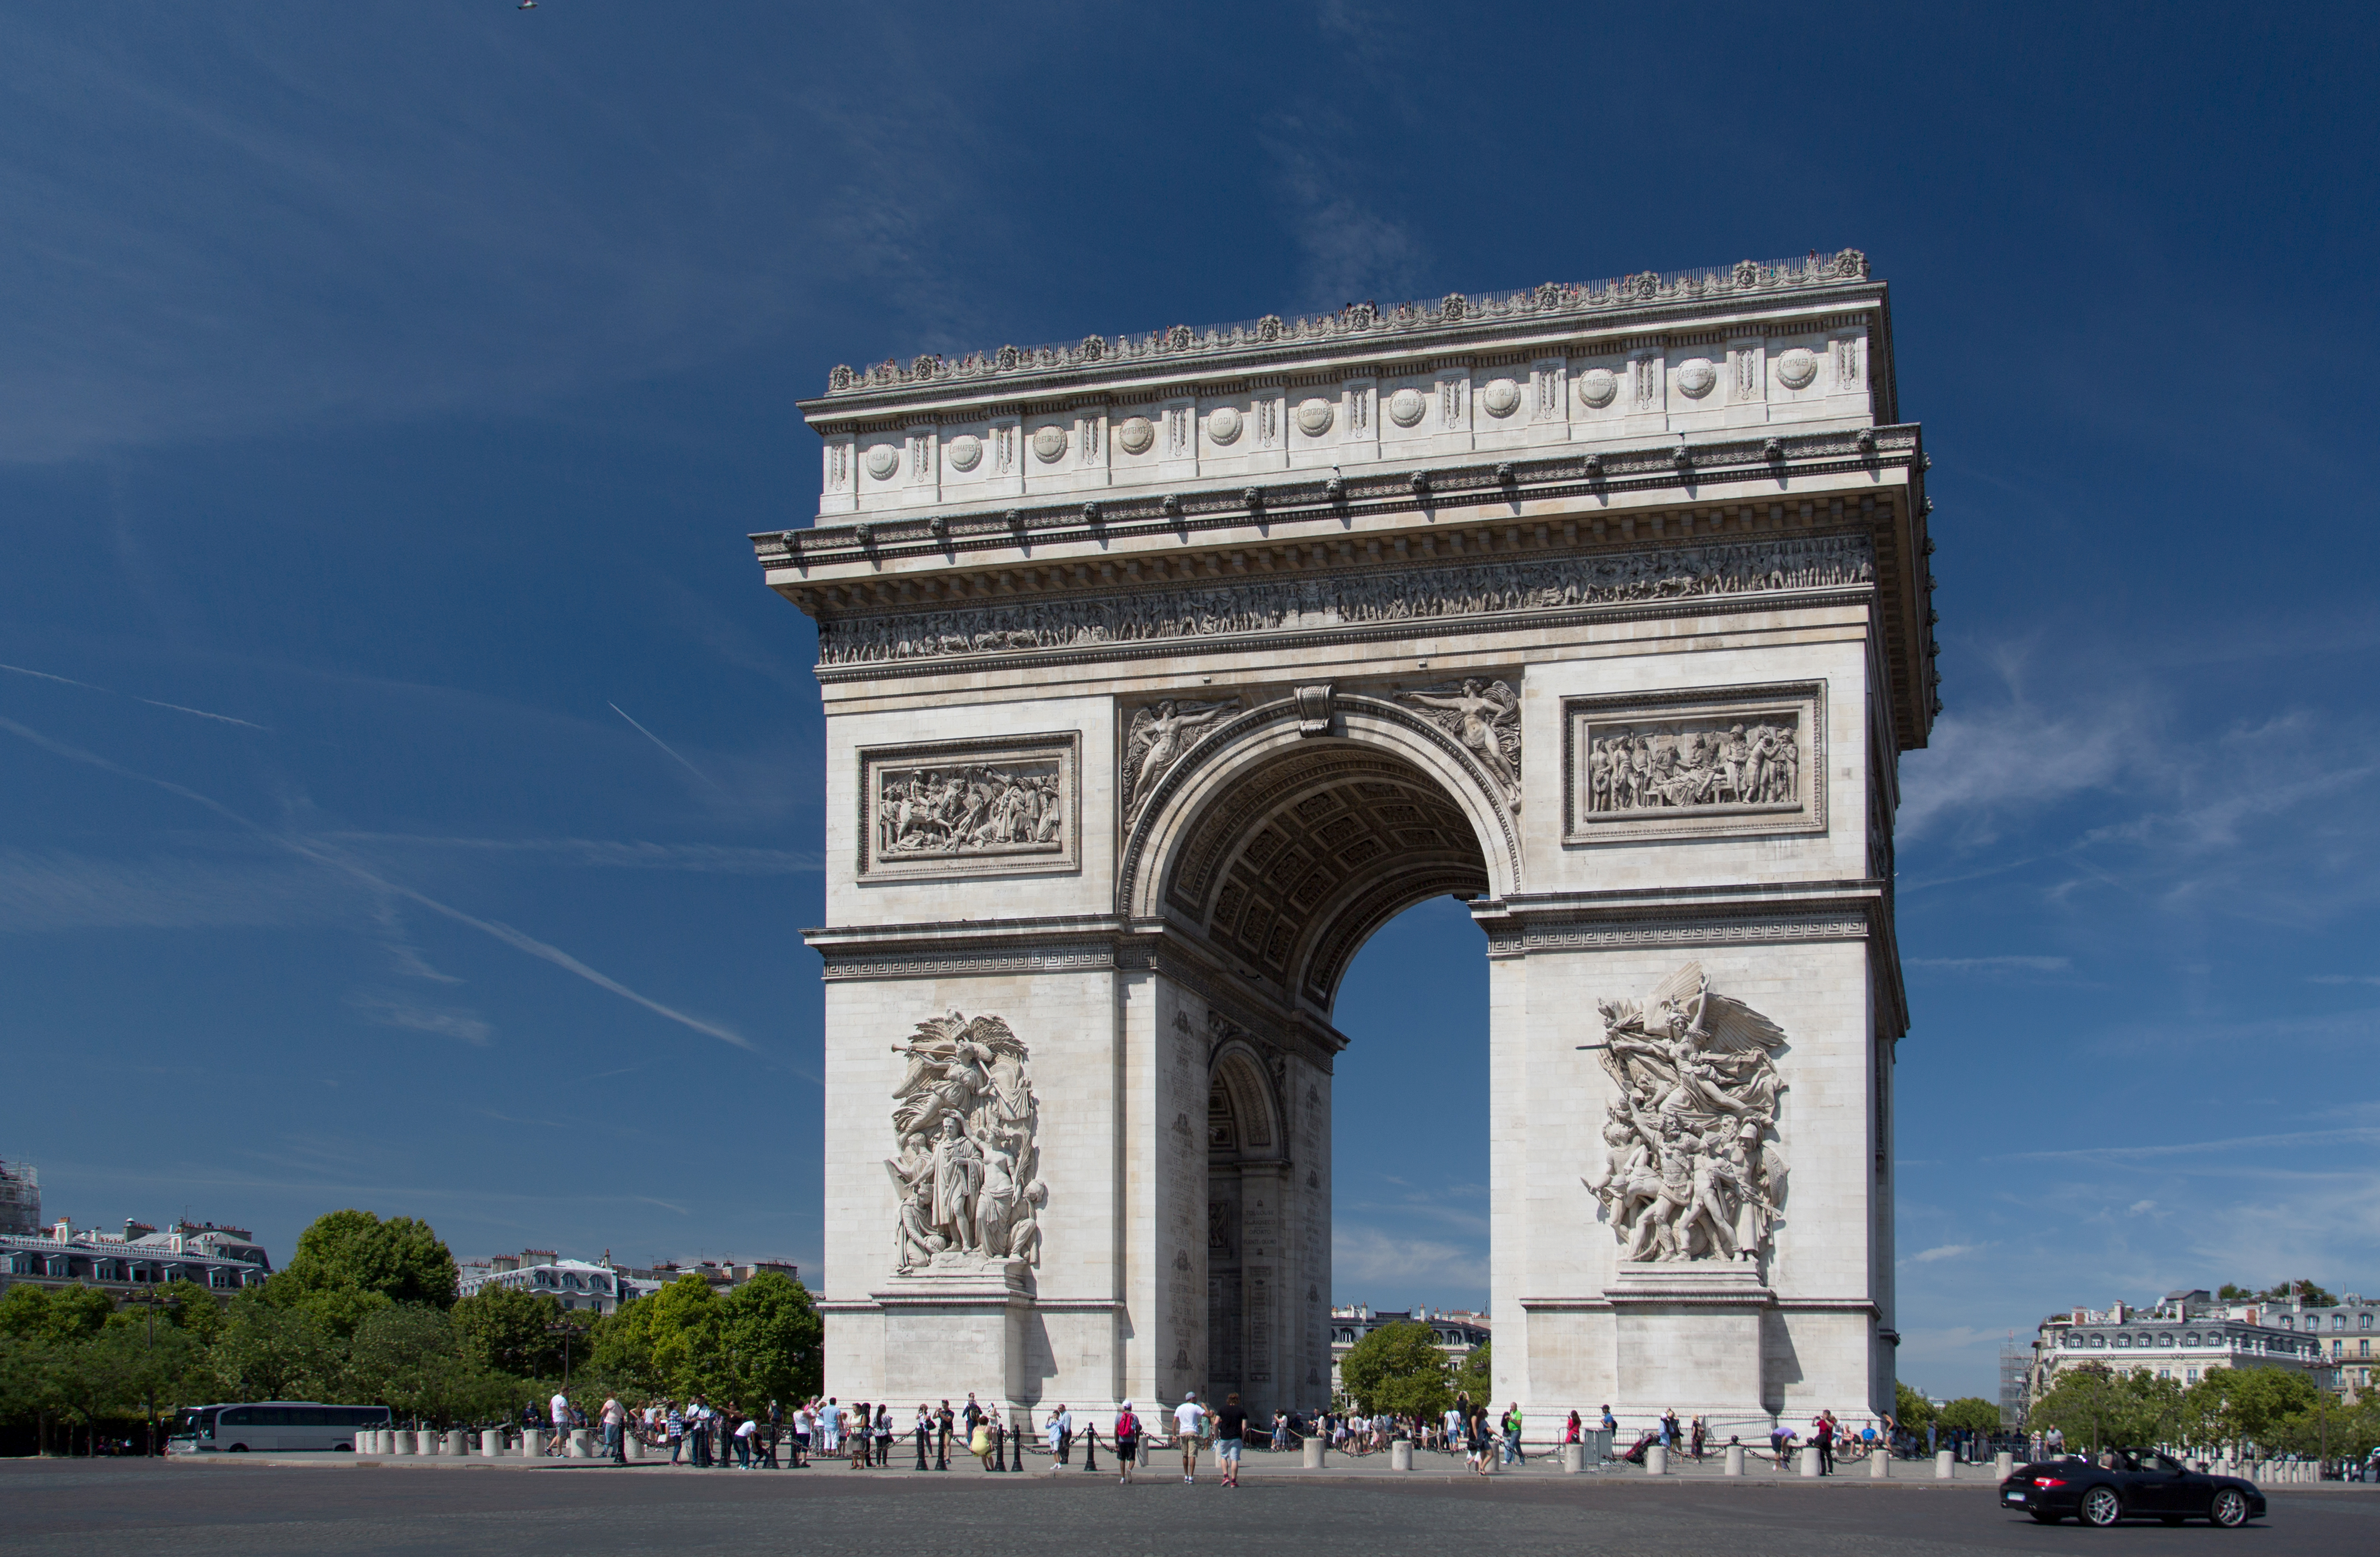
(358, 1509)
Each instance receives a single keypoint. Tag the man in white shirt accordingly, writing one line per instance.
(616, 1430)
(1189, 1423)
(558, 1408)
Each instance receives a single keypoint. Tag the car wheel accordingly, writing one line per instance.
(2101, 1506)
(2042, 1516)
(2230, 1508)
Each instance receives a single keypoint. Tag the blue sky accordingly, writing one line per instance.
(409, 797)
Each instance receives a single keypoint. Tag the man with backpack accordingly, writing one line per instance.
(1127, 1442)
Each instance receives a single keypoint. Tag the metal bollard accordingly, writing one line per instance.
(1810, 1463)
(1734, 1460)
(1657, 1461)
(2003, 1464)
(1944, 1466)
(532, 1443)
(1312, 1457)
(1879, 1463)
(1401, 1455)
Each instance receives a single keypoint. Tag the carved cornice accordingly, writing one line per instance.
(1275, 344)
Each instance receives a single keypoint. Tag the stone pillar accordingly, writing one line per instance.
(2003, 1464)
(1943, 1464)
(1312, 1458)
(1879, 1463)
(491, 1443)
(1810, 1462)
(579, 1449)
(400, 1442)
(1657, 1461)
(1573, 1457)
(532, 1442)
(1401, 1455)
(455, 1445)
(1734, 1460)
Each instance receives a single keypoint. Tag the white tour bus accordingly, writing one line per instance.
(277, 1425)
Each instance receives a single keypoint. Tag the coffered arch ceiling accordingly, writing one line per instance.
(1294, 867)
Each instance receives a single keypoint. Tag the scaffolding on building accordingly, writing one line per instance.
(2016, 1372)
(20, 1200)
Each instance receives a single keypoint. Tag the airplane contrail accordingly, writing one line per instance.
(663, 744)
(499, 930)
(88, 686)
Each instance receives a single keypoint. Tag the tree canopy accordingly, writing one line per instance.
(1400, 1369)
(1972, 1412)
(1912, 1410)
(353, 1252)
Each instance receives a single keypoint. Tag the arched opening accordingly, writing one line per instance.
(1278, 862)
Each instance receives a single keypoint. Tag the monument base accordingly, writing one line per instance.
(1689, 1338)
(954, 1327)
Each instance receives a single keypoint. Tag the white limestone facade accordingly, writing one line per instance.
(1603, 608)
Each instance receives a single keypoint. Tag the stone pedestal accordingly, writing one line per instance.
(1810, 1463)
(1734, 1460)
(1311, 1459)
(1879, 1465)
(2003, 1464)
(955, 1326)
(532, 1442)
(1657, 1461)
(491, 1443)
(1573, 1457)
(1688, 1337)
(1401, 1455)
(1943, 1465)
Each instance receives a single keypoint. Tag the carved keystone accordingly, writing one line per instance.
(1313, 710)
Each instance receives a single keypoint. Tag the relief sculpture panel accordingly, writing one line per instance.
(1696, 764)
(968, 1175)
(1156, 739)
(1691, 1167)
(964, 808)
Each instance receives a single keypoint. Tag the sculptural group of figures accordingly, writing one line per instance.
(1759, 764)
(965, 1115)
(1417, 593)
(929, 810)
(1690, 1170)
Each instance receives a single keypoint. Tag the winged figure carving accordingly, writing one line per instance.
(965, 1120)
(1158, 737)
(1691, 1169)
(1486, 717)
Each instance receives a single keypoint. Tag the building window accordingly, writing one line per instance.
(2166, 1340)
(2097, 1341)
(2193, 1375)
(2165, 1372)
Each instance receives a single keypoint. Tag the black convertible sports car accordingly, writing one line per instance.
(2129, 1484)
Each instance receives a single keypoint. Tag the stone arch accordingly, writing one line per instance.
(1243, 1085)
(1284, 848)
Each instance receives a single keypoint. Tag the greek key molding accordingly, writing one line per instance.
(1672, 930)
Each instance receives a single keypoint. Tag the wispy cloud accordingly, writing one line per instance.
(1361, 1254)
(1991, 964)
(1946, 1251)
(52, 892)
(515, 938)
(448, 1021)
(1352, 253)
(2283, 1140)
(707, 858)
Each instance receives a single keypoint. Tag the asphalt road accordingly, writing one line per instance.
(123, 1509)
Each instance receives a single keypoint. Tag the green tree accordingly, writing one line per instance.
(191, 1307)
(1914, 1411)
(2312, 1293)
(1398, 1368)
(59, 1315)
(669, 1343)
(2232, 1292)
(1475, 1376)
(1972, 1412)
(273, 1351)
(411, 1358)
(505, 1330)
(352, 1251)
(772, 1339)
(2095, 1407)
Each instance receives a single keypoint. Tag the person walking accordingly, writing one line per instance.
(1189, 1426)
(676, 1430)
(856, 1432)
(1513, 1455)
(1700, 1433)
(616, 1430)
(558, 1409)
(1128, 1440)
(1231, 1431)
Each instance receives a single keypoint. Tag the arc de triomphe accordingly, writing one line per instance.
(1161, 670)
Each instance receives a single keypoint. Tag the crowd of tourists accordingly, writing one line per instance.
(869, 1434)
